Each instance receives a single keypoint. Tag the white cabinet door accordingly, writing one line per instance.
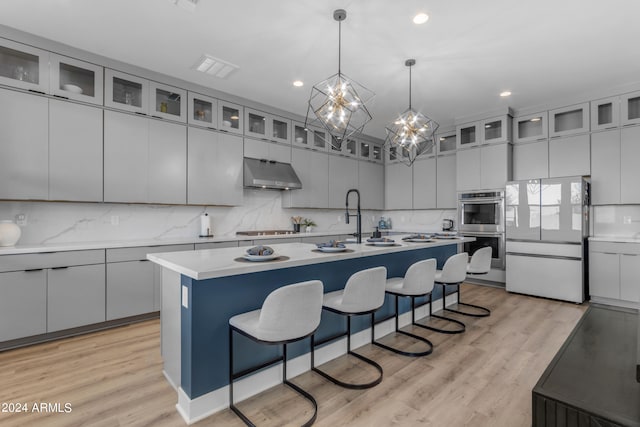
(24, 146)
(312, 168)
(203, 111)
(532, 127)
(605, 114)
(531, 160)
(167, 102)
(605, 167)
(75, 79)
(343, 176)
(629, 170)
(371, 184)
(126, 92)
(570, 156)
(398, 186)
(23, 304)
(75, 152)
(75, 296)
(468, 169)
(214, 168)
(126, 160)
(446, 182)
(424, 184)
(495, 166)
(569, 120)
(630, 108)
(167, 163)
(23, 66)
(604, 275)
(257, 149)
(629, 277)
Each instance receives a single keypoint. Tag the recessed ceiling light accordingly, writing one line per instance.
(420, 18)
(505, 93)
(298, 83)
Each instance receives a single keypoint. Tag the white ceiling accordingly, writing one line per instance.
(467, 53)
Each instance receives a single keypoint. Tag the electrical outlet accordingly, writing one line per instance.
(626, 220)
(21, 219)
(115, 220)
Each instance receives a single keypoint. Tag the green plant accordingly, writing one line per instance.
(308, 222)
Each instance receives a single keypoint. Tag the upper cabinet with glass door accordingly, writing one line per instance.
(468, 135)
(496, 130)
(126, 92)
(77, 80)
(446, 142)
(630, 108)
(569, 120)
(202, 111)
(266, 126)
(168, 102)
(24, 67)
(532, 127)
(370, 151)
(302, 137)
(230, 117)
(605, 113)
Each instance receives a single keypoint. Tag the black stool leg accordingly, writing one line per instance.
(485, 312)
(460, 330)
(363, 358)
(416, 337)
(232, 406)
(300, 390)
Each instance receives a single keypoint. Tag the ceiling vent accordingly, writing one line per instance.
(189, 5)
(214, 66)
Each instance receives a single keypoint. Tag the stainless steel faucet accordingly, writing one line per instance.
(358, 215)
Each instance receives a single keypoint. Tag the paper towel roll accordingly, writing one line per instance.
(205, 225)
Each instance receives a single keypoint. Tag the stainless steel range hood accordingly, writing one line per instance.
(261, 173)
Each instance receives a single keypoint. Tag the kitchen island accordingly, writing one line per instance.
(201, 290)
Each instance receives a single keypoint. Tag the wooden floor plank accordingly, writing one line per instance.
(483, 377)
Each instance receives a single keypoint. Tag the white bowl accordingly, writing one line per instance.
(226, 123)
(299, 140)
(72, 88)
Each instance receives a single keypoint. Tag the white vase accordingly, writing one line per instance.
(308, 229)
(9, 233)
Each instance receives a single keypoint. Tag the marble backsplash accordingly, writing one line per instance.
(53, 222)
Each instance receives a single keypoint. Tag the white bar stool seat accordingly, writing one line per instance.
(288, 314)
(480, 261)
(454, 276)
(417, 282)
(362, 294)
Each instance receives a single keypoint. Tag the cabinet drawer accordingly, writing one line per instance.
(615, 247)
(140, 252)
(215, 245)
(50, 260)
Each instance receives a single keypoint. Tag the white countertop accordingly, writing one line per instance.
(615, 239)
(211, 263)
(111, 244)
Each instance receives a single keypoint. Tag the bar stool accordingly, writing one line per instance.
(288, 314)
(480, 264)
(453, 273)
(363, 294)
(417, 282)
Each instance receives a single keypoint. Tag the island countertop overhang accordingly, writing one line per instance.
(220, 262)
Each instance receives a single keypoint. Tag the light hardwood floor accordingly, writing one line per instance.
(483, 377)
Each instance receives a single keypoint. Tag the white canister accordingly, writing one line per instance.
(9, 233)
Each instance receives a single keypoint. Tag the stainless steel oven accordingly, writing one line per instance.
(496, 241)
(481, 212)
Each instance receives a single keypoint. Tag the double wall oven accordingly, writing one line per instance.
(481, 215)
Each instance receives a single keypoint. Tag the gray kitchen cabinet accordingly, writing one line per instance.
(167, 179)
(75, 152)
(424, 184)
(570, 120)
(130, 288)
(398, 186)
(604, 275)
(371, 184)
(312, 167)
(343, 176)
(495, 163)
(68, 75)
(24, 66)
(23, 304)
(145, 160)
(24, 146)
(605, 113)
(605, 167)
(126, 157)
(570, 156)
(216, 245)
(258, 149)
(630, 108)
(468, 169)
(75, 296)
(532, 127)
(531, 160)
(629, 274)
(629, 170)
(446, 182)
(214, 167)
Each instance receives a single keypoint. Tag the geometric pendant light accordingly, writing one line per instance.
(338, 103)
(412, 133)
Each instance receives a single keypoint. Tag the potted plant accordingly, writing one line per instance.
(308, 224)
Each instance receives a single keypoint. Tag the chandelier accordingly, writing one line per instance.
(412, 133)
(338, 103)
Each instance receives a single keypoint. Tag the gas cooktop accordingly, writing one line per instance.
(265, 232)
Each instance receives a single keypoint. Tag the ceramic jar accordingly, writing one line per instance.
(9, 233)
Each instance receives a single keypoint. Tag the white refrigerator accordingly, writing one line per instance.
(547, 225)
